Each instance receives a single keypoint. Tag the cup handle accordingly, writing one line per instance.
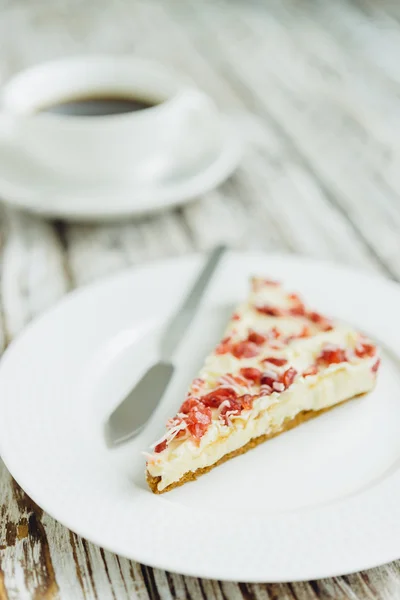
(192, 128)
(192, 101)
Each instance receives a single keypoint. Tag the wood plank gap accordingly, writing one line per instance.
(85, 545)
(150, 582)
(180, 213)
(103, 558)
(122, 574)
(60, 228)
(72, 541)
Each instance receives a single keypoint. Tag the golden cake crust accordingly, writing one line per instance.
(288, 424)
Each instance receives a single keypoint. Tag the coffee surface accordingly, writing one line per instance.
(97, 106)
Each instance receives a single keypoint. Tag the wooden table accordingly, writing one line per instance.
(314, 87)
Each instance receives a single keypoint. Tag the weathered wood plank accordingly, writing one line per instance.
(94, 251)
(314, 123)
(25, 559)
(33, 274)
(272, 162)
(320, 177)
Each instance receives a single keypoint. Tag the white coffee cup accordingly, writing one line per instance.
(175, 135)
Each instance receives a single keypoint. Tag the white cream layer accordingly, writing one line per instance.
(335, 384)
(299, 353)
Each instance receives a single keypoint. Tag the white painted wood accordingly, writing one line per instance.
(33, 274)
(313, 88)
(94, 251)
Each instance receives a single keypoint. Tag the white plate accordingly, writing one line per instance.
(318, 501)
(29, 184)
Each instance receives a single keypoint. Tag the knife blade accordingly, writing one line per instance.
(130, 416)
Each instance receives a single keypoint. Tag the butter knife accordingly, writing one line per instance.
(128, 419)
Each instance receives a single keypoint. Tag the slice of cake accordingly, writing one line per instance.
(278, 365)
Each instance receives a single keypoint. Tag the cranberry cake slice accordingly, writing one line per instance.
(278, 365)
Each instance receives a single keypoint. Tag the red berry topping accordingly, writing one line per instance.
(228, 410)
(274, 360)
(161, 446)
(189, 404)
(315, 317)
(295, 297)
(271, 311)
(224, 346)
(229, 379)
(311, 370)
(245, 350)
(251, 374)
(246, 402)
(274, 334)
(288, 377)
(364, 349)
(376, 365)
(256, 338)
(269, 378)
(198, 420)
(276, 345)
(320, 320)
(297, 311)
(305, 332)
(235, 317)
(217, 396)
(332, 355)
(240, 380)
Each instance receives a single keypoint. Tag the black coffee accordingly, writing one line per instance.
(97, 106)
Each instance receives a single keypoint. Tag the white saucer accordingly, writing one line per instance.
(321, 500)
(25, 183)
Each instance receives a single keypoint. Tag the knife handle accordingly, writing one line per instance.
(183, 317)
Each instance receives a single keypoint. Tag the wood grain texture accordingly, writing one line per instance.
(313, 87)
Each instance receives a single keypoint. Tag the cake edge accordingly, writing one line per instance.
(288, 424)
